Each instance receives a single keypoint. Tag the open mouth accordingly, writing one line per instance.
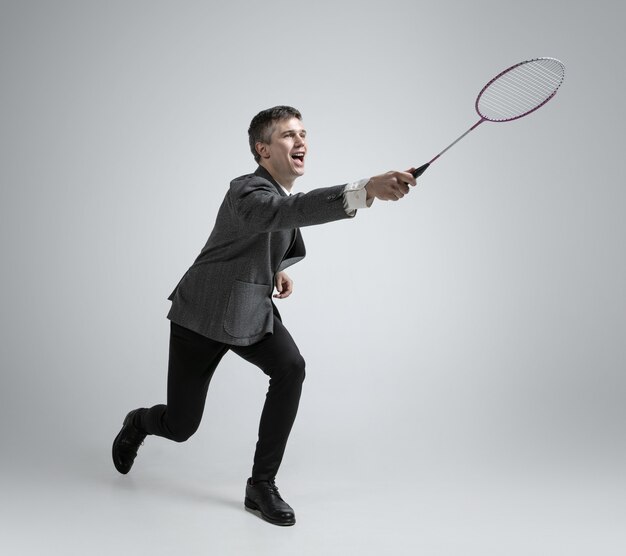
(298, 159)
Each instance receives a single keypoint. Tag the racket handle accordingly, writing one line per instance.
(419, 171)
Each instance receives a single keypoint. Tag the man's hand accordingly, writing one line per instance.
(390, 186)
(284, 285)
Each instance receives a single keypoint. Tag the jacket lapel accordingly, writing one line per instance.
(263, 173)
(296, 250)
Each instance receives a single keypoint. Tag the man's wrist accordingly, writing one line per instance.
(355, 196)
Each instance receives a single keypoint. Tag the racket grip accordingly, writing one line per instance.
(419, 171)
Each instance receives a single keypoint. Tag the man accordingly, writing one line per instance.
(224, 301)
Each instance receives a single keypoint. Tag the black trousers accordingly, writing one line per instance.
(193, 359)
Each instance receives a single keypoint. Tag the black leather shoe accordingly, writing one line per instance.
(127, 443)
(264, 500)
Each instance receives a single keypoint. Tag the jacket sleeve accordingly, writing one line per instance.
(261, 208)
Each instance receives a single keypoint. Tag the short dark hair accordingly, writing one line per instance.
(262, 125)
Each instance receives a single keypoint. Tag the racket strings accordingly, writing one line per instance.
(520, 90)
(513, 95)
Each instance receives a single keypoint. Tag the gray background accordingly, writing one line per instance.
(465, 347)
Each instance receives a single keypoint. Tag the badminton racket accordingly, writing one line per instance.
(512, 94)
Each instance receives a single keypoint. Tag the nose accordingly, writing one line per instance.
(299, 141)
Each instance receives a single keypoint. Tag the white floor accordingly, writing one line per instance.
(172, 503)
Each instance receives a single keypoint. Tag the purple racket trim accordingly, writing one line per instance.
(523, 92)
(516, 92)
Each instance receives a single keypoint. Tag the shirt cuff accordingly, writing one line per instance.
(355, 196)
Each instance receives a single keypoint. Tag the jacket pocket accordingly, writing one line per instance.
(249, 310)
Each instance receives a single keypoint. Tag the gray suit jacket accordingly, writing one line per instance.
(226, 294)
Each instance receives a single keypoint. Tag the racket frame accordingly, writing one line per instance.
(419, 171)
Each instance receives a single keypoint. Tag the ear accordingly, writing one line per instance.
(262, 149)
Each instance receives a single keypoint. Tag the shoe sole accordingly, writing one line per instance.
(253, 508)
(115, 462)
(118, 466)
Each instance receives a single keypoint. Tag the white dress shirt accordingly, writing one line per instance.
(355, 196)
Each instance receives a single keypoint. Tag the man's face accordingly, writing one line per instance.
(286, 151)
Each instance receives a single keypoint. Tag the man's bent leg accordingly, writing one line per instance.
(279, 358)
(193, 359)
